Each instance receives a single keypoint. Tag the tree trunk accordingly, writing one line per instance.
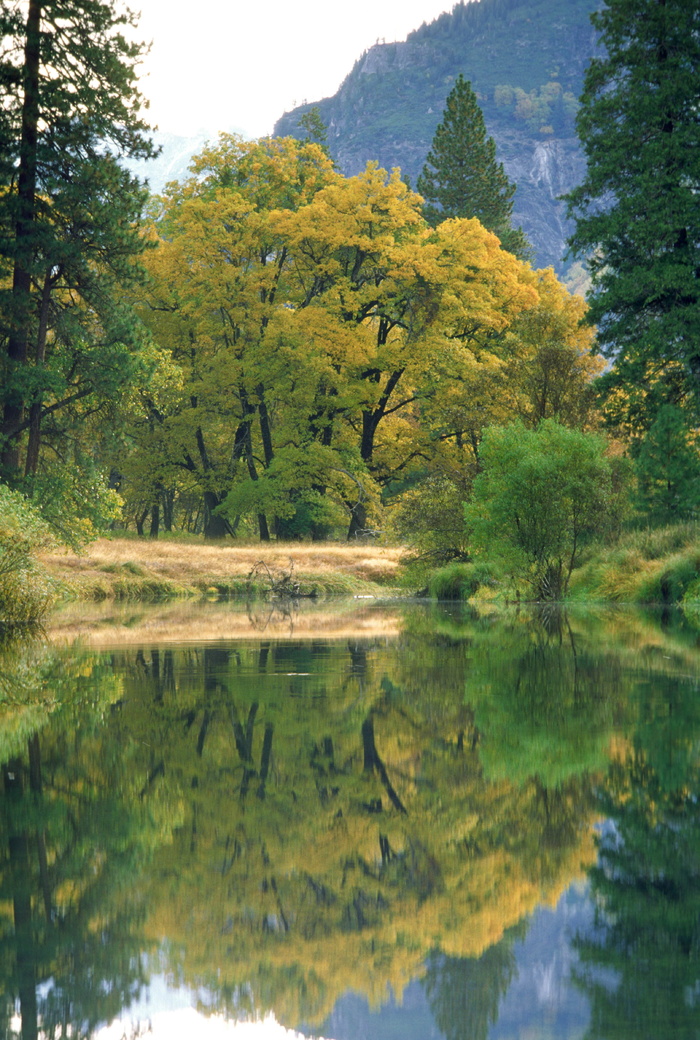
(18, 339)
(358, 520)
(155, 521)
(33, 444)
(167, 498)
(139, 519)
(215, 526)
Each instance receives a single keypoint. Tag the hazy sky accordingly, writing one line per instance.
(239, 64)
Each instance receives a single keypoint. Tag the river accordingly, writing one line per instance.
(357, 820)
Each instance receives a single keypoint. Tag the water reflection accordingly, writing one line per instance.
(641, 968)
(272, 823)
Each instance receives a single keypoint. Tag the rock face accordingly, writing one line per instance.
(543, 171)
(525, 60)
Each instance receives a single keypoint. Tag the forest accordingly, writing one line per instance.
(273, 350)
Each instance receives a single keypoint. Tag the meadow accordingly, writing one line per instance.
(133, 569)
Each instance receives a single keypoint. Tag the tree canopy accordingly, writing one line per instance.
(324, 340)
(542, 493)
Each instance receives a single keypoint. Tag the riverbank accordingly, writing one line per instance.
(135, 569)
(646, 567)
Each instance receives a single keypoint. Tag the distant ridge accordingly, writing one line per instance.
(525, 60)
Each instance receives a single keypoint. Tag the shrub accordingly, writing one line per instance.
(541, 496)
(429, 519)
(459, 580)
(26, 591)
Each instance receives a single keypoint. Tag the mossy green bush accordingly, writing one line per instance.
(26, 590)
(460, 581)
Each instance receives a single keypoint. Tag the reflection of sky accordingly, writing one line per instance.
(184, 1023)
(166, 1013)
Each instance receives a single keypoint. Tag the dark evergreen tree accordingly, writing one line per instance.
(69, 111)
(668, 469)
(637, 213)
(461, 177)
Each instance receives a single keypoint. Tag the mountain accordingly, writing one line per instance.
(525, 60)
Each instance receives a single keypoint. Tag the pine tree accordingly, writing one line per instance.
(461, 177)
(69, 110)
(637, 212)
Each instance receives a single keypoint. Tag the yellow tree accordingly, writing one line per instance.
(404, 302)
(554, 367)
(214, 292)
(313, 317)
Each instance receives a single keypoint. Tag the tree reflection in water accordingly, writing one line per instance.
(281, 821)
(642, 968)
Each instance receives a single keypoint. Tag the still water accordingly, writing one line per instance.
(373, 822)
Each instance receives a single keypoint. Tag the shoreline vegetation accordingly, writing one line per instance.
(645, 567)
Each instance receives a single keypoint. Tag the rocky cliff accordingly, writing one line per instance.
(525, 60)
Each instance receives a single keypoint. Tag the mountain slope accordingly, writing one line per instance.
(525, 60)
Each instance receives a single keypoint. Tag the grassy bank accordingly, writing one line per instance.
(645, 567)
(131, 569)
(653, 566)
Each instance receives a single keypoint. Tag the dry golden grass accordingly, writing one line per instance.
(111, 624)
(187, 561)
(132, 569)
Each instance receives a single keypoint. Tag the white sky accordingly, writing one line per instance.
(239, 64)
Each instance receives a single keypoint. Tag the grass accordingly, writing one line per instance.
(126, 569)
(646, 566)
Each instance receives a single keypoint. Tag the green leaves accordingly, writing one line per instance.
(25, 589)
(540, 497)
(69, 234)
(668, 468)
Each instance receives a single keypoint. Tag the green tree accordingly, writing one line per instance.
(314, 127)
(461, 177)
(67, 218)
(540, 497)
(637, 215)
(668, 469)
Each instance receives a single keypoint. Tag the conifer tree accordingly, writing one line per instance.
(461, 177)
(70, 110)
(637, 212)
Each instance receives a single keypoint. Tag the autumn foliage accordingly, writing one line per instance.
(321, 345)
